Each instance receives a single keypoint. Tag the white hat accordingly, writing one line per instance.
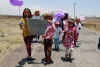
(71, 19)
(78, 18)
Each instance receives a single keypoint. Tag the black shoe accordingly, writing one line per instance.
(57, 49)
(29, 58)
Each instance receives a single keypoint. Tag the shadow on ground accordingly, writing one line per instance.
(53, 49)
(23, 61)
(45, 63)
(67, 60)
(36, 42)
(77, 44)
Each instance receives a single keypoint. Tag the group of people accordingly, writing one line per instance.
(67, 27)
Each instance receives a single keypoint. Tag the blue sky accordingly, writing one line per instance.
(83, 7)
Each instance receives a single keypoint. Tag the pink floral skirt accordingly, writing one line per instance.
(69, 45)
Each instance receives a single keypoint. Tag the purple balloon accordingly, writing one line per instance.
(62, 15)
(60, 10)
(19, 2)
(58, 18)
(13, 2)
(16, 2)
(59, 14)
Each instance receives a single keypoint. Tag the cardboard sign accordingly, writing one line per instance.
(37, 26)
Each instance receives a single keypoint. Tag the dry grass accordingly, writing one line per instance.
(10, 35)
(93, 25)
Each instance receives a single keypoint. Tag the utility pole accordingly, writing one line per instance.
(74, 8)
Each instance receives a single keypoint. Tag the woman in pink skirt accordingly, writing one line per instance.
(70, 38)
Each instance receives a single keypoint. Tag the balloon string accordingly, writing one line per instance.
(19, 10)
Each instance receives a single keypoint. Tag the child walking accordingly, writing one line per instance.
(78, 26)
(57, 33)
(70, 38)
(48, 38)
(26, 35)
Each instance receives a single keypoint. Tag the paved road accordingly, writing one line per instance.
(86, 54)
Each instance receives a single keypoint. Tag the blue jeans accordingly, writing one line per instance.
(56, 43)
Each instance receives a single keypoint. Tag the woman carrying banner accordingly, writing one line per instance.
(25, 32)
(48, 36)
(36, 15)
